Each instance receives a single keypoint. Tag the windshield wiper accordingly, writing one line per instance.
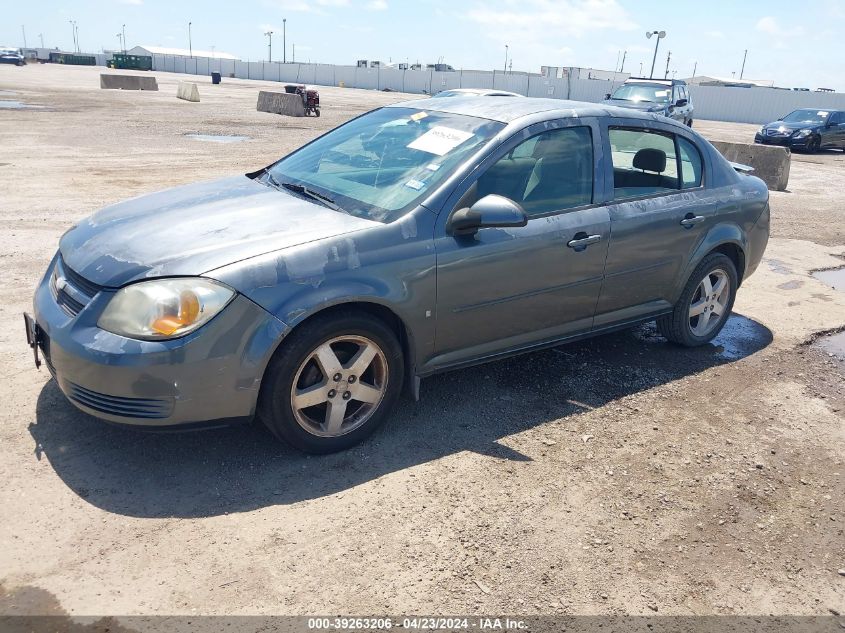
(309, 193)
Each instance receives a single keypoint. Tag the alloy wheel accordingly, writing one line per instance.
(709, 302)
(339, 386)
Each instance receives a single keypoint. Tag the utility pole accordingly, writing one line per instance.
(660, 35)
(641, 69)
(694, 68)
(75, 35)
(510, 66)
(120, 39)
(742, 72)
(668, 57)
(269, 34)
(41, 37)
(622, 67)
(190, 46)
(284, 40)
(293, 56)
(506, 58)
(123, 30)
(23, 30)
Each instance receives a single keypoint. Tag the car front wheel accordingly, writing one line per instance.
(332, 383)
(704, 305)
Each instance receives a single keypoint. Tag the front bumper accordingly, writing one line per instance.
(783, 141)
(211, 375)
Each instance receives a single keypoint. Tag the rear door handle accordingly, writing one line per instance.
(691, 220)
(581, 241)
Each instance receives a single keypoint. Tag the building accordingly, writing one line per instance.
(574, 72)
(704, 80)
(179, 52)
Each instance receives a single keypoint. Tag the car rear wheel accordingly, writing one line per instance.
(705, 303)
(332, 383)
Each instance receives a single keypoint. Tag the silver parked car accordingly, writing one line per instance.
(417, 238)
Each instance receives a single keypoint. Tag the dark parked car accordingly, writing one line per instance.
(668, 97)
(11, 56)
(417, 238)
(807, 129)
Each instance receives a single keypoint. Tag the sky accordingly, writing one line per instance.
(795, 47)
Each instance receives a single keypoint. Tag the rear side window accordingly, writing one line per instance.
(690, 164)
(643, 162)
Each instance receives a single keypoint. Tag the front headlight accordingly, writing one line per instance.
(803, 133)
(164, 308)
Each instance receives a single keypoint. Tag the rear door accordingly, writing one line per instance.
(659, 213)
(506, 289)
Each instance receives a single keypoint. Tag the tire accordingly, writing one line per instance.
(813, 146)
(689, 123)
(317, 112)
(296, 373)
(682, 328)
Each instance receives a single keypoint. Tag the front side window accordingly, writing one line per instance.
(381, 165)
(546, 173)
(643, 162)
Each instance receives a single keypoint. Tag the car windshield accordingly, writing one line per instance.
(807, 116)
(654, 93)
(379, 166)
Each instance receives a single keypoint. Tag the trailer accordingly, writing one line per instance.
(72, 59)
(130, 62)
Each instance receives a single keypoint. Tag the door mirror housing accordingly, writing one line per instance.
(607, 95)
(680, 103)
(491, 211)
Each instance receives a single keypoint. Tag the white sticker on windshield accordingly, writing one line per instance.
(415, 184)
(440, 140)
(661, 93)
(822, 113)
(432, 167)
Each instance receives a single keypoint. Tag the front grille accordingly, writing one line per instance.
(771, 132)
(117, 405)
(75, 291)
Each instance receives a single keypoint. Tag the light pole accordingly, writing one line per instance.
(123, 30)
(641, 69)
(120, 39)
(284, 41)
(506, 58)
(668, 57)
(23, 30)
(269, 34)
(694, 68)
(73, 30)
(660, 35)
(742, 72)
(190, 46)
(622, 67)
(41, 37)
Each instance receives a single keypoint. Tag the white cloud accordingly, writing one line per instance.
(134, 2)
(716, 35)
(377, 5)
(333, 3)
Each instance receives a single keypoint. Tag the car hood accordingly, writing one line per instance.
(790, 126)
(192, 229)
(642, 106)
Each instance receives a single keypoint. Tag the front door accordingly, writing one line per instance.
(505, 289)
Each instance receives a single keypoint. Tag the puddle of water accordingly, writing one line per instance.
(740, 337)
(833, 278)
(833, 344)
(217, 138)
(16, 105)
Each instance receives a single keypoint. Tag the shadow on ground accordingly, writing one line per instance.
(242, 468)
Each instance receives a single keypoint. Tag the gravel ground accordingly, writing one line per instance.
(617, 475)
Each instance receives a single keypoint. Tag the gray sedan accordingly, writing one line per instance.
(417, 238)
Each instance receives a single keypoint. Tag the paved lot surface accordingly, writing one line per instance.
(618, 475)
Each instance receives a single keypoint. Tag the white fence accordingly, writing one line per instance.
(741, 105)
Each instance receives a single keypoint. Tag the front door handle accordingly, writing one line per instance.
(691, 220)
(581, 240)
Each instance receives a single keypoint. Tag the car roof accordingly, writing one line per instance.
(507, 109)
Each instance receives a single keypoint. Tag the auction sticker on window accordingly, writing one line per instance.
(440, 140)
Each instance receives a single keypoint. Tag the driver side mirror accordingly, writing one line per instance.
(491, 211)
(607, 95)
(680, 103)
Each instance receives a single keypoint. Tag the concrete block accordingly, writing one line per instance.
(280, 103)
(111, 81)
(770, 163)
(188, 91)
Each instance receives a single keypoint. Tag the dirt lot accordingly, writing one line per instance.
(618, 475)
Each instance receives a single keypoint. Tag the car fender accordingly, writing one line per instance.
(718, 235)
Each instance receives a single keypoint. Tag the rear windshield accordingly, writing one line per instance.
(381, 165)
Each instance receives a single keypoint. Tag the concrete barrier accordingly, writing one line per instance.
(280, 103)
(770, 163)
(188, 91)
(111, 81)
